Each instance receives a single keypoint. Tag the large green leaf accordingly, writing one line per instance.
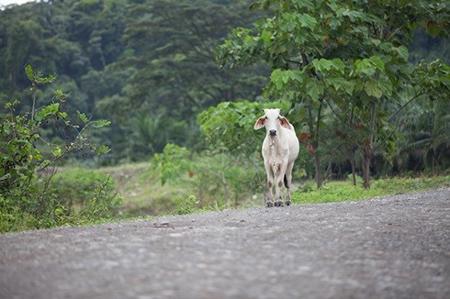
(372, 89)
(47, 112)
(307, 21)
(29, 72)
(314, 89)
(101, 123)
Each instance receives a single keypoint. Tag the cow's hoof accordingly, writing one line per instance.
(278, 203)
(287, 203)
(269, 204)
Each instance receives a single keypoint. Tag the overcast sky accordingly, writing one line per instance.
(6, 2)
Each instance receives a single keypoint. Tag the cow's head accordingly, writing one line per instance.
(272, 121)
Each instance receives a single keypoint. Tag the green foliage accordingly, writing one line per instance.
(230, 125)
(425, 136)
(122, 59)
(328, 54)
(19, 157)
(348, 74)
(24, 152)
(150, 133)
(140, 185)
(19, 134)
(85, 194)
(222, 181)
(137, 61)
(185, 205)
(76, 196)
(172, 162)
(216, 181)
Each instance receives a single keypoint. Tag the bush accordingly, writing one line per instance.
(229, 125)
(214, 180)
(172, 162)
(222, 180)
(85, 193)
(75, 196)
(25, 201)
(13, 217)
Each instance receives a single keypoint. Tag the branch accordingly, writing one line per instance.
(33, 108)
(349, 125)
(334, 112)
(401, 27)
(391, 118)
(306, 62)
(293, 61)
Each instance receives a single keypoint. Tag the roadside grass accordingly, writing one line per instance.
(172, 185)
(143, 194)
(141, 190)
(144, 197)
(337, 191)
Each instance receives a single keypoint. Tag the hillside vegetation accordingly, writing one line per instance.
(163, 95)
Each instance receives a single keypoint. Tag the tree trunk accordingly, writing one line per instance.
(366, 165)
(318, 176)
(368, 147)
(433, 163)
(353, 150)
(315, 141)
(352, 162)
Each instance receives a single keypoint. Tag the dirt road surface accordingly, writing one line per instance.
(391, 247)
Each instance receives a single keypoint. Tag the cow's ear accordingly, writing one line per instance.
(284, 122)
(259, 123)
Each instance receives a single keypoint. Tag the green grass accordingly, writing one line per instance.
(337, 191)
(143, 193)
(139, 185)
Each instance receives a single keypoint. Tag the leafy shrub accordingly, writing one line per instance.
(86, 193)
(230, 125)
(75, 196)
(185, 205)
(24, 199)
(172, 162)
(222, 180)
(15, 215)
(18, 155)
(215, 180)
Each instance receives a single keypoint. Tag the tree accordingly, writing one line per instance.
(342, 53)
(122, 59)
(128, 60)
(177, 65)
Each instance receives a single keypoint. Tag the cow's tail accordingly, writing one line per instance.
(285, 181)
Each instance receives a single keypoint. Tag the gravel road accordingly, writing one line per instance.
(391, 247)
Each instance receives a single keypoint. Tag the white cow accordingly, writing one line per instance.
(280, 149)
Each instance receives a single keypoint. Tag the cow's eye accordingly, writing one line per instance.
(265, 117)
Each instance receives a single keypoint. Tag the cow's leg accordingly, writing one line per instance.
(269, 194)
(289, 182)
(279, 181)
